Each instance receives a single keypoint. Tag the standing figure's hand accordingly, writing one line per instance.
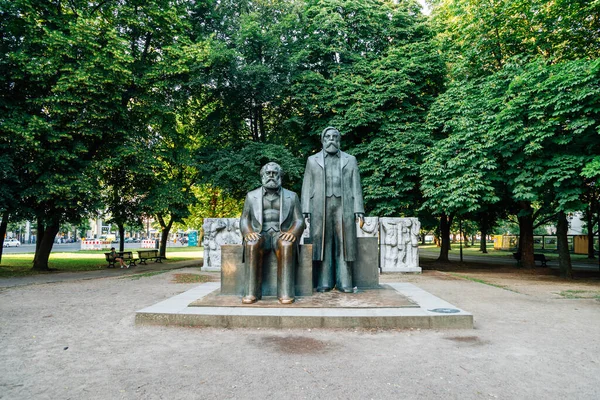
(361, 220)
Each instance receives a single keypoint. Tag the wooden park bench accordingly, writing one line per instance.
(536, 257)
(144, 255)
(127, 257)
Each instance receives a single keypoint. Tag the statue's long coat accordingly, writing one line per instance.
(313, 202)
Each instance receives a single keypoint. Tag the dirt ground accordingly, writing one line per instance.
(77, 339)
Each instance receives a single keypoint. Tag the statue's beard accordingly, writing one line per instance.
(331, 147)
(271, 184)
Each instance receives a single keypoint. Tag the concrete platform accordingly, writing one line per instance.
(423, 311)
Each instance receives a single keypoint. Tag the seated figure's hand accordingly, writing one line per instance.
(252, 237)
(287, 237)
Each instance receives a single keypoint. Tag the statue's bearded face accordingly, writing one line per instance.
(271, 177)
(331, 141)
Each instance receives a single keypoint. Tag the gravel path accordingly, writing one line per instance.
(76, 339)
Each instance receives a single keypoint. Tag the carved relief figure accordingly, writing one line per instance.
(389, 242)
(217, 232)
(415, 231)
(399, 244)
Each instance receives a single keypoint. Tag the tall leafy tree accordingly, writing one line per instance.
(168, 191)
(555, 109)
(87, 79)
(151, 173)
(460, 172)
(498, 46)
(534, 136)
(66, 69)
(124, 175)
(369, 68)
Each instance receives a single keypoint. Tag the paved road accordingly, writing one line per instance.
(30, 248)
(70, 247)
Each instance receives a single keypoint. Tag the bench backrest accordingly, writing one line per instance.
(147, 253)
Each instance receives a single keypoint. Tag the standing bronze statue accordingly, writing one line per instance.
(331, 200)
(271, 221)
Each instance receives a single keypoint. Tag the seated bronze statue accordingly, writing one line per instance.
(271, 221)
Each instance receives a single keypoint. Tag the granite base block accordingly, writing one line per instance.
(233, 271)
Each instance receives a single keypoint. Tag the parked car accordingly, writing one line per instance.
(11, 243)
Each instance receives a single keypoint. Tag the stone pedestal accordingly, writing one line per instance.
(365, 271)
(393, 306)
(233, 271)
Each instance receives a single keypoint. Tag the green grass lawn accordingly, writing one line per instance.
(474, 251)
(85, 260)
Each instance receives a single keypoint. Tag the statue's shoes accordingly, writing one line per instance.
(322, 289)
(345, 289)
(248, 299)
(286, 300)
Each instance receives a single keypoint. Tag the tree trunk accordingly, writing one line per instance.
(164, 235)
(483, 243)
(3, 227)
(526, 235)
(261, 123)
(445, 222)
(44, 247)
(564, 255)
(40, 234)
(121, 237)
(590, 234)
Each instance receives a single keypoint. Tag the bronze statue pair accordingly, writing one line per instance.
(272, 220)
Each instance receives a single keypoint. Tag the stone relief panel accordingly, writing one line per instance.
(399, 244)
(217, 232)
